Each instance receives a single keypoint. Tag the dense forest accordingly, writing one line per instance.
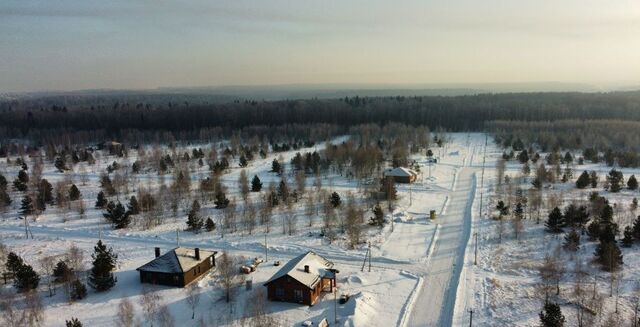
(598, 121)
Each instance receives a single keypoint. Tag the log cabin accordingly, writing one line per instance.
(401, 175)
(178, 267)
(302, 280)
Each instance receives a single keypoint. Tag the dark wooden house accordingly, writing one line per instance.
(401, 175)
(178, 267)
(302, 280)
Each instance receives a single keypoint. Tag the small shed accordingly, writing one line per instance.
(178, 267)
(302, 280)
(401, 175)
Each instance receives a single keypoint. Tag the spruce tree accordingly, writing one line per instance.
(20, 183)
(275, 167)
(555, 222)
(78, 290)
(243, 161)
(615, 180)
(61, 272)
(256, 184)
(221, 200)
(627, 240)
(209, 225)
(194, 220)
(13, 263)
(26, 278)
(133, 206)
(74, 322)
(335, 200)
(632, 183)
(117, 215)
(74, 193)
(26, 208)
(101, 201)
(608, 255)
(378, 217)
(101, 274)
(552, 315)
(583, 180)
(572, 241)
(45, 190)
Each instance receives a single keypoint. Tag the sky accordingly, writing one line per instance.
(139, 44)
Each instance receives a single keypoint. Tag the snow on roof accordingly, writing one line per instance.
(177, 260)
(399, 172)
(318, 267)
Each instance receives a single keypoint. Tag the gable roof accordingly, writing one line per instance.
(400, 172)
(177, 260)
(318, 267)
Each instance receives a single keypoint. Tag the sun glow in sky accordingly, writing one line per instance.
(64, 45)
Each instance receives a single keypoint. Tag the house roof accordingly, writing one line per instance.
(177, 260)
(399, 172)
(318, 267)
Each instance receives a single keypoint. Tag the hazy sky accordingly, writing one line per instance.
(63, 45)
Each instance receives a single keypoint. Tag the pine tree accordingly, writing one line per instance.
(615, 180)
(556, 221)
(194, 220)
(78, 290)
(221, 200)
(5, 199)
(256, 184)
(378, 217)
(26, 278)
(74, 322)
(243, 161)
(608, 255)
(13, 263)
(45, 189)
(209, 225)
(632, 183)
(275, 167)
(117, 215)
(74, 193)
(60, 164)
(636, 228)
(552, 315)
(594, 179)
(20, 183)
(26, 208)
(101, 201)
(101, 274)
(133, 206)
(335, 200)
(283, 191)
(583, 180)
(61, 272)
(572, 241)
(627, 240)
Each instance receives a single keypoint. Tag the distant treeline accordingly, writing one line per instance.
(77, 122)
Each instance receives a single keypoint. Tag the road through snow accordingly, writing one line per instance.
(435, 302)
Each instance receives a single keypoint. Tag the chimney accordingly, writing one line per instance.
(306, 268)
(197, 253)
(157, 252)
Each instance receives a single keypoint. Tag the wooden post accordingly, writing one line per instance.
(266, 249)
(470, 317)
(369, 256)
(475, 259)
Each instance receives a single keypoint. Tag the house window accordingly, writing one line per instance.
(280, 293)
(297, 295)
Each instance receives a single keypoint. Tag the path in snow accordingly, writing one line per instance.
(436, 301)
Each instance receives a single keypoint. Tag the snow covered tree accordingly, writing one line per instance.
(101, 274)
(194, 220)
(101, 201)
(555, 222)
(74, 193)
(583, 180)
(256, 184)
(632, 183)
(551, 316)
(117, 215)
(572, 241)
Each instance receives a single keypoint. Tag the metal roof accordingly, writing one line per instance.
(177, 260)
(318, 267)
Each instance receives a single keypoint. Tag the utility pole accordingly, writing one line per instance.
(470, 317)
(369, 256)
(475, 259)
(266, 249)
(177, 237)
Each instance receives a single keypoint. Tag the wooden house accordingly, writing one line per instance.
(302, 280)
(178, 267)
(401, 175)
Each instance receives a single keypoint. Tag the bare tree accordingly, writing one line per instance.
(229, 274)
(265, 217)
(12, 316)
(47, 264)
(34, 309)
(551, 271)
(249, 217)
(310, 209)
(301, 181)
(193, 298)
(126, 314)
(165, 319)
(150, 303)
(243, 185)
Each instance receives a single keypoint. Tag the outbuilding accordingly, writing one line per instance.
(401, 175)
